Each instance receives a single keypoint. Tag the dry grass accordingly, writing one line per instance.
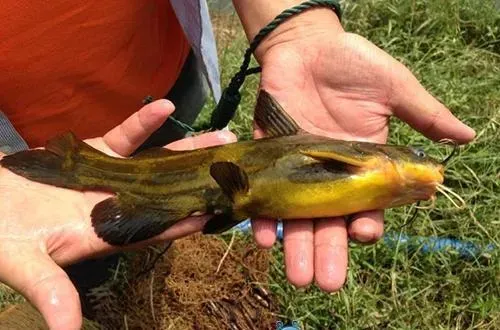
(185, 291)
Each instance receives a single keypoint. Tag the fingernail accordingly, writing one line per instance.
(161, 109)
(365, 238)
(471, 132)
(166, 103)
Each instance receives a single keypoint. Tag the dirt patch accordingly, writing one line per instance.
(24, 316)
(185, 291)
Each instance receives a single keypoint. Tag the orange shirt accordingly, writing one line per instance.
(84, 66)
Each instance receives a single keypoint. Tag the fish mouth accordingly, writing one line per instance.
(425, 187)
(425, 192)
(421, 185)
(415, 193)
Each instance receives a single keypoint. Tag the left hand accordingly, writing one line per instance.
(43, 227)
(340, 85)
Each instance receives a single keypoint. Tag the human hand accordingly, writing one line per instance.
(340, 85)
(43, 228)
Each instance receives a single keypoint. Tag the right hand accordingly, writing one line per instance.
(339, 85)
(43, 227)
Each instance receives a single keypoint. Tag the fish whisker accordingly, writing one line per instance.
(446, 191)
(429, 207)
(412, 218)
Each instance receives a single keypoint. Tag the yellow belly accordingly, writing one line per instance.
(367, 191)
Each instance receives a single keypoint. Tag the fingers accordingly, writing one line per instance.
(129, 135)
(330, 253)
(203, 141)
(316, 250)
(367, 227)
(46, 286)
(298, 247)
(264, 231)
(414, 105)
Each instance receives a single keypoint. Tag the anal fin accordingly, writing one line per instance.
(119, 221)
(221, 223)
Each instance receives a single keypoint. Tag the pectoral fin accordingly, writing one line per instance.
(272, 119)
(233, 181)
(231, 178)
(122, 220)
(329, 156)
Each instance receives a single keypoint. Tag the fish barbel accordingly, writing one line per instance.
(288, 175)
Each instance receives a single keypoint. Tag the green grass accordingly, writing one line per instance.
(453, 47)
(8, 296)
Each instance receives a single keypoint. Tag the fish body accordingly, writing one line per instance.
(288, 175)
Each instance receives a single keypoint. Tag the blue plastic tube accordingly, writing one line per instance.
(424, 244)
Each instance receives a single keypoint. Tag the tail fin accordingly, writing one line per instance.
(60, 164)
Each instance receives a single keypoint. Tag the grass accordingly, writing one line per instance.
(8, 296)
(453, 47)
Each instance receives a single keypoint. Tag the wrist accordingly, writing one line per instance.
(256, 14)
(314, 22)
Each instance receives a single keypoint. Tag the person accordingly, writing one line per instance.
(86, 67)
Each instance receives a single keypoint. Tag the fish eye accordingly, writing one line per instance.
(419, 153)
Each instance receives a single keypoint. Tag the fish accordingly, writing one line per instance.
(289, 174)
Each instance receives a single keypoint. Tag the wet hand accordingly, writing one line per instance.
(340, 85)
(43, 228)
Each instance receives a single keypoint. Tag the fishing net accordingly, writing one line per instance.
(185, 290)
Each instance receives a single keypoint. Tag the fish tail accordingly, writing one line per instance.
(62, 163)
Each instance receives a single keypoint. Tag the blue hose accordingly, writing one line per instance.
(424, 244)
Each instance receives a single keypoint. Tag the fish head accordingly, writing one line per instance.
(419, 174)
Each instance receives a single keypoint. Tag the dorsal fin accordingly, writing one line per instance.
(67, 142)
(70, 149)
(272, 119)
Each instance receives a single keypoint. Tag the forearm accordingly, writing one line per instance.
(255, 14)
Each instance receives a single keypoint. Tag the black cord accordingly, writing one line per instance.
(231, 97)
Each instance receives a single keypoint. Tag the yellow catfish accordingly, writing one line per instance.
(290, 174)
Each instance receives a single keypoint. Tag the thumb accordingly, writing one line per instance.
(129, 135)
(417, 107)
(45, 285)
(203, 141)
